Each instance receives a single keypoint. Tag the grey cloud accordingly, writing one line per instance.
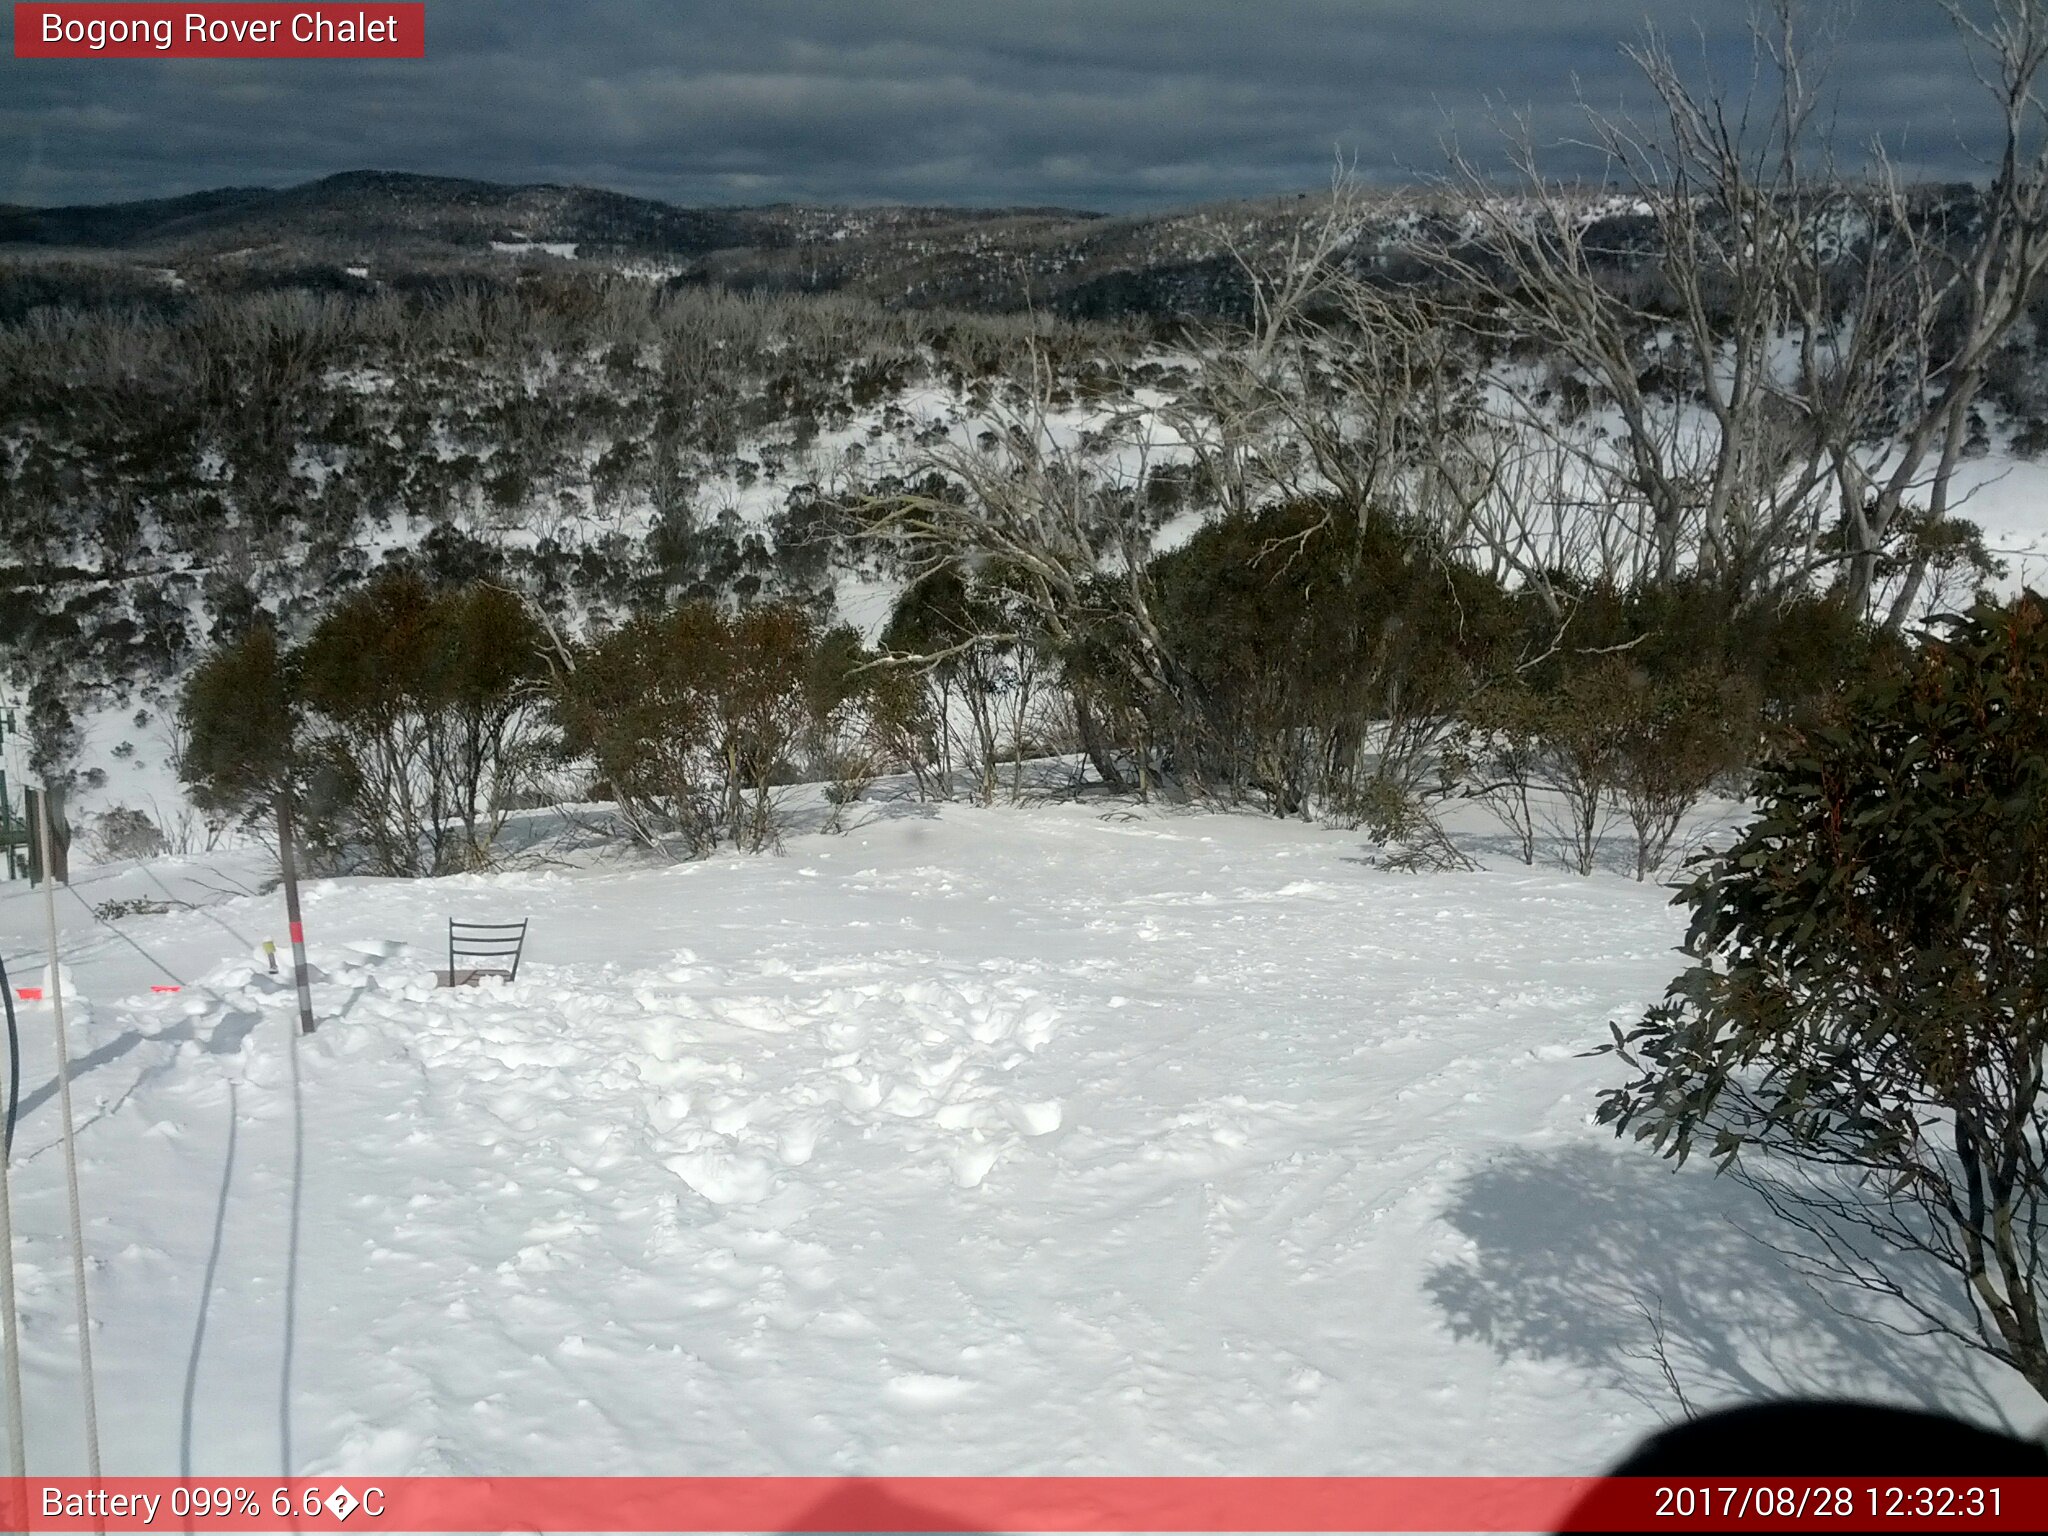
(1113, 104)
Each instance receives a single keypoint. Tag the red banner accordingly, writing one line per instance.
(214, 31)
(1056, 1504)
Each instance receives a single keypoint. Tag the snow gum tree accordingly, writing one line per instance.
(1328, 651)
(960, 622)
(406, 722)
(1785, 389)
(694, 718)
(236, 723)
(1860, 1037)
(420, 714)
(638, 706)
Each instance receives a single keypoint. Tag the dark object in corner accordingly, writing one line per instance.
(1825, 1439)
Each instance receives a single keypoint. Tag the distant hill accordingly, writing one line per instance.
(383, 226)
(123, 224)
(386, 212)
(361, 230)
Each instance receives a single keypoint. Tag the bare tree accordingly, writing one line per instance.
(1985, 285)
(1056, 516)
(1263, 405)
(1788, 387)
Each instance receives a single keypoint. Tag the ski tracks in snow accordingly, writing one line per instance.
(989, 1143)
(644, 1159)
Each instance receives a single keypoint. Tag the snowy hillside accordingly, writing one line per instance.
(968, 1142)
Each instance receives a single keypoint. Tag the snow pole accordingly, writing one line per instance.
(17, 1427)
(92, 1413)
(10, 1316)
(291, 912)
(290, 869)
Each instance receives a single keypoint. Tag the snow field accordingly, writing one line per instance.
(1007, 1141)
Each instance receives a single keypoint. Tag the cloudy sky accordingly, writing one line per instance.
(1111, 104)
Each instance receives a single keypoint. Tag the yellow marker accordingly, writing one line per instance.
(270, 954)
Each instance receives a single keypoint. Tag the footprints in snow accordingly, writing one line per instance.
(733, 1090)
(923, 1065)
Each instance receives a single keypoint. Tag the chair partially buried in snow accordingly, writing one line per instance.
(477, 950)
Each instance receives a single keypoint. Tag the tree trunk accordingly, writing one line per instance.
(1093, 744)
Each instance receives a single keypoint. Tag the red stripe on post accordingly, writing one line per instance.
(298, 933)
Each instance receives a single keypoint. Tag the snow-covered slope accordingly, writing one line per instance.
(971, 1142)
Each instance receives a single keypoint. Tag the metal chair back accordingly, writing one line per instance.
(488, 943)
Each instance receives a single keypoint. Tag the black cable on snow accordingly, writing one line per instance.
(129, 939)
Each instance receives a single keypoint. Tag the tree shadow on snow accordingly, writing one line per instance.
(208, 1280)
(229, 1034)
(1619, 1264)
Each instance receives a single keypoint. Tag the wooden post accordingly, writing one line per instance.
(49, 836)
(291, 912)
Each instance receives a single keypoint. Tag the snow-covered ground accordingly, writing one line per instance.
(1061, 1139)
(2006, 496)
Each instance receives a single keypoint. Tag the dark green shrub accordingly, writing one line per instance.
(238, 724)
(694, 717)
(1863, 1030)
(1319, 650)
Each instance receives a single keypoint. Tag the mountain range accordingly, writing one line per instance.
(380, 223)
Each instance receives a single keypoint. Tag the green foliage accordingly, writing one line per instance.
(1310, 633)
(374, 655)
(1608, 733)
(489, 648)
(52, 730)
(637, 703)
(1635, 703)
(265, 420)
(693, 716)
(404, 721)
(1870, 987)
(941, 611)
(238, 723)
(1797, 654)
(1678, 735)
(1583, 724)
(982, 658)
(122, 832)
